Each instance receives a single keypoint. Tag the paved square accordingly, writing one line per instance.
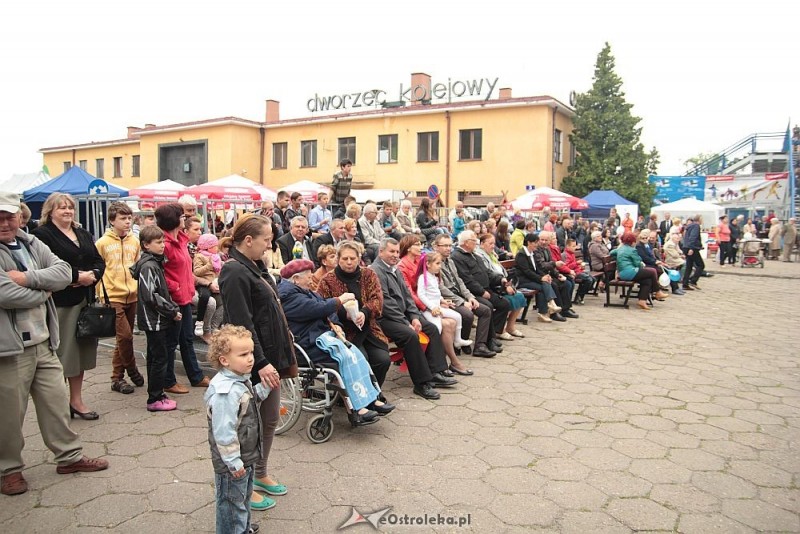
(685, 418)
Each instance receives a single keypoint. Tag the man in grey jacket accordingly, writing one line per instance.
(454, 290)
(371, 230)
(402, 322)
(29, 337)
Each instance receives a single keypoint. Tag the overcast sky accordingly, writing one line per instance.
(701, 74)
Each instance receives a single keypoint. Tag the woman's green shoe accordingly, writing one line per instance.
(276, 489)
(265, 504)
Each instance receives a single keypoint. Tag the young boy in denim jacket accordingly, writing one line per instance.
(234, 427)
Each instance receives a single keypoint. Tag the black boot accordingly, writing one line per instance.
(363, 419)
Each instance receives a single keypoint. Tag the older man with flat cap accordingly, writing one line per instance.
(29, 274)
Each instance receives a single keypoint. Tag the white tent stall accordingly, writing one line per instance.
(689, 207)
(22, 182)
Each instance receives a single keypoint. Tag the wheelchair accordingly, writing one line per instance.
(315, 390)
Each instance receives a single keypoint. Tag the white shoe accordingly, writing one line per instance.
(552, 307)
(458, 343)
(198, 328)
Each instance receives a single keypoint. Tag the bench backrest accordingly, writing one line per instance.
(609, 266)
(511, 268)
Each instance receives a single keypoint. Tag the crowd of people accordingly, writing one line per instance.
(376, 276)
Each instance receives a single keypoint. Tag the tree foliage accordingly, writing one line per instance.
(606, 137)
(704, 163)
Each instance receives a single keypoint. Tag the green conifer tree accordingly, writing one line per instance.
(609, 154)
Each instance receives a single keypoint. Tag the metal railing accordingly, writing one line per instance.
(752, 144)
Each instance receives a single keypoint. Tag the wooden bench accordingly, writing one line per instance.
(529, 294)
(599, 276)
(611, 280)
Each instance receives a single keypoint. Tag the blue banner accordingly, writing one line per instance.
(672, 188)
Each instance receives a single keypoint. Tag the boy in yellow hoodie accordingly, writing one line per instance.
(119, 248)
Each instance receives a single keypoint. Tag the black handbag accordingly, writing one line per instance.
(97, 319)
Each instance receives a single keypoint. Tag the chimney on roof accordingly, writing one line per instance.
(505, 93)
(133, 131)
(273, 111)
(148, 125)
(420, 92)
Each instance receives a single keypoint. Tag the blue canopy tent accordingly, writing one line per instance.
(601, 201)
(75, 182)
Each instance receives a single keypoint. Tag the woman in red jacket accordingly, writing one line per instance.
(410, 254)
(180, 282)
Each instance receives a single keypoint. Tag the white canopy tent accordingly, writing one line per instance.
(163, 185)
(689, 207)
(235, 180)
(376, 195)
(22, 182)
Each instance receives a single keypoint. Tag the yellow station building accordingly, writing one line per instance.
(467, 137)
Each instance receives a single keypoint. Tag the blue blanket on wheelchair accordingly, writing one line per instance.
(353, 367)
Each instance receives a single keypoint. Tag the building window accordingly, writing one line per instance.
(387, 148)
(67, 166)
(471, 144)
(82, 164)
(557, 146)
(464, 194)
(572, 154)
(347, 149)
(99, 168)
(117, 167)
(308, 153)
(421, 193)
(279, 155)
(135, 165)
(428, 146)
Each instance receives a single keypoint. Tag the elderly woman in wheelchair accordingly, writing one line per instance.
(317, 331)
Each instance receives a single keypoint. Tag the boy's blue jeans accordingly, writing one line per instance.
(233, 502)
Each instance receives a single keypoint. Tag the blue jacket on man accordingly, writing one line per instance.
(691, 237)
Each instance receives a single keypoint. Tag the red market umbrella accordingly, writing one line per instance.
(545, 197)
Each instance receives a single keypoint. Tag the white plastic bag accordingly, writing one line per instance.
(663, 280)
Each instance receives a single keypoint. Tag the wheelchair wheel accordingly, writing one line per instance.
(291, 404)
(319, 428)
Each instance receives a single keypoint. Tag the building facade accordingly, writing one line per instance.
(492, 146)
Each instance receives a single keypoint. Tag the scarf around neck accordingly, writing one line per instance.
(351, 280)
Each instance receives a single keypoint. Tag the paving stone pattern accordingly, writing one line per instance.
(683, 419)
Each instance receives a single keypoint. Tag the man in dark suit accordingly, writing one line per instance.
(549, 265)
(297, 233)
(664, 226)
(333, 238)
(532, 275)
(402, 321)
(480, 282)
